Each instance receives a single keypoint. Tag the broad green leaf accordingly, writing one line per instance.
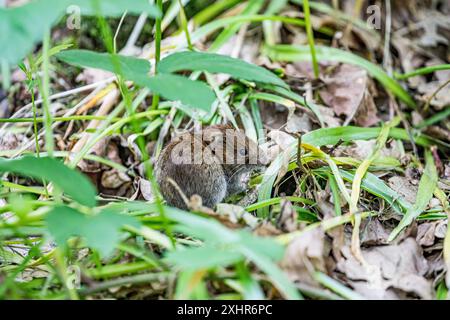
(101, 232)
(302, 53)
(277, 276)
(216, 63)
(204, 257)
(73, 183)
(116, 8)
(261, 251)
(26, 25)
(427, 185)
(195, 94)
(128, 67)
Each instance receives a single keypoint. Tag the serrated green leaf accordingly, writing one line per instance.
(73, 183)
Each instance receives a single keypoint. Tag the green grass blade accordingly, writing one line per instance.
(302, 53)
(427, 185)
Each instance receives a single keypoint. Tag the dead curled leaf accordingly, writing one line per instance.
(298, 123)
(347, 90)
(305, 254)
(113, 179)
(394, 272)
(404, 187)
(288, 218)
(428, 232)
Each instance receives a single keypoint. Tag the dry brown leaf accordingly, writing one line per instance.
(404, 187)
(287, 220)
(113, 179)
(305, 254)
(298, 123)
(396, 271)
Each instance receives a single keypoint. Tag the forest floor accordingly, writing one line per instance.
(354, 204)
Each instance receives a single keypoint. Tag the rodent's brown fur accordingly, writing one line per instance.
(212, 179)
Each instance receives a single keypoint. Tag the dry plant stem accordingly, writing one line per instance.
(356, 12)
(117, 32)
(96, 99)
(97, 87)
(136, 32)
(108, 103)
(93, 86)
(427, 105)
(405, 124)
(387, 59)
(239, 40)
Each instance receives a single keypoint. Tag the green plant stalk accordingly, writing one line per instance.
(18, 187)
(109, 130)
(326, 225)
(158, 36)
(128, 104)
(137, 279)
(45, 92)
(310, 34)
(364, 166)
(62, 271)
(336, 286)
(256, 114)
(421, 71)
(29, 74)
(115, 270)
(184, 25)
(336, 195)
(211, 27)
(444, 114)
(213, 10)
(273, 201)
(58, 119)
(252, 7)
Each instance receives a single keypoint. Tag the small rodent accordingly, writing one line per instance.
(213, 163)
